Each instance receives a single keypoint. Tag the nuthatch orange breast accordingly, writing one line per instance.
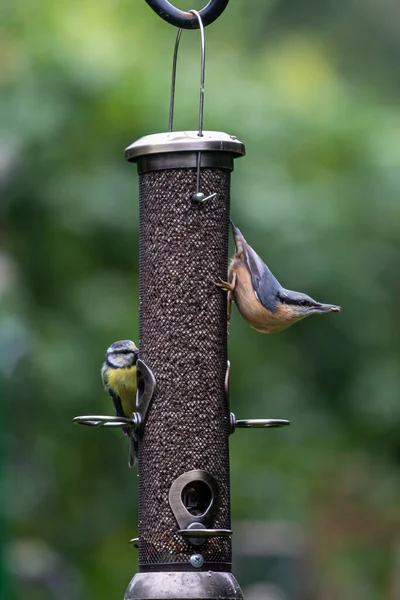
(260, 298)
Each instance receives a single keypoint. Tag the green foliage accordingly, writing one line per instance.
(316, 196)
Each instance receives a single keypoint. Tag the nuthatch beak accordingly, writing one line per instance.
(260, 298)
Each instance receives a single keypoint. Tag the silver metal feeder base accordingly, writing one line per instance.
(184, 585)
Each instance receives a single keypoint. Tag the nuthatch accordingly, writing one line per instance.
(119, 379)
(260, 298)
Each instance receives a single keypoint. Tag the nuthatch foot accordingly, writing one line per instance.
(260, 298)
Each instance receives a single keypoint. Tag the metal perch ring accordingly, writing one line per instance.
(108, 421)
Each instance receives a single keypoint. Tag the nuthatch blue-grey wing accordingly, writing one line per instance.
(119, 379)
(261, 300)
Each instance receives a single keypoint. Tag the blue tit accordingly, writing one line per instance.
(260, 298)
(119, 379)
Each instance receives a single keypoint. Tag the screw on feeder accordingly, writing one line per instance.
(197, 561)
(198, 196)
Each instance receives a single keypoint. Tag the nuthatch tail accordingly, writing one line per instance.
(260, 298)
(119, 379)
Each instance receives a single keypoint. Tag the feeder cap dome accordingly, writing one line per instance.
(184, 141)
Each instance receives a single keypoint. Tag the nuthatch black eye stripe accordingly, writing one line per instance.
(261, 300)
(296, 302)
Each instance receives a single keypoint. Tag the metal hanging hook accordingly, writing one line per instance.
(185, 20)
(198, 196)
(202, 75)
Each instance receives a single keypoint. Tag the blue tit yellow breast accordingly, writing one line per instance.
(123, 382)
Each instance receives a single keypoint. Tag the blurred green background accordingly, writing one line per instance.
(312, 88)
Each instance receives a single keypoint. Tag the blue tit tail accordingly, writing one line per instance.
(133, 449)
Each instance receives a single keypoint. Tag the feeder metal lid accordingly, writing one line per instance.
(185, 141)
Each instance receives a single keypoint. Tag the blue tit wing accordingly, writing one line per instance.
(133, 442)
(266, 286)
(133, 450)
(115, 398)
(117, 403)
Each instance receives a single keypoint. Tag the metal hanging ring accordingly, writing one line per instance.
(199, 20)
(186, 20)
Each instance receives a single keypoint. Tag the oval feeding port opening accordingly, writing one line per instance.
(197, 498)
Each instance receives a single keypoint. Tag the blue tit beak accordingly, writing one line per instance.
(133, 348)
(326, 308)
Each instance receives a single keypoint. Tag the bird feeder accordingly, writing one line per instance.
(183, 420)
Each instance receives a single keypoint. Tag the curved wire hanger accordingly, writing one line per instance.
(198, 196)
(202, 75)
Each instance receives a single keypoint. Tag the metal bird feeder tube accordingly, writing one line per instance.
(183, 419)
(184, 494)
(183, 340)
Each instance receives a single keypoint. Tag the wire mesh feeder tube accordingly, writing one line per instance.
(183, 339)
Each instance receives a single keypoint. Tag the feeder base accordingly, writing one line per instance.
(184, 585)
